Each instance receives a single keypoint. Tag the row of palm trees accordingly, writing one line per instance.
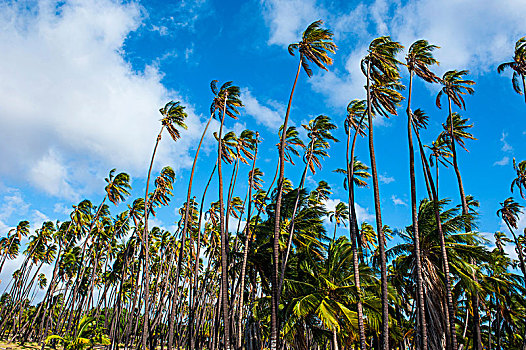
(278, 279)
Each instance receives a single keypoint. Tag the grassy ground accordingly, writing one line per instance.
(15, 346)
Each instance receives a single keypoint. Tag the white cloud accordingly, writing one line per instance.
(504, 161)
(72, 107)
(506, 147)
(269, 117)
(398, 201)
(386, 179)
(288, 18)
(521, 226)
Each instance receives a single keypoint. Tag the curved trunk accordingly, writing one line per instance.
(414, 216)
(379, 226)
(245, 255)
(275, 245)
(450, 314)
(477, 336)
(185, 226)
(354, 232)
(146, 248)
(224, 240)
(292, 224)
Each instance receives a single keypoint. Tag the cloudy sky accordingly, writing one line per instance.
(81, 83)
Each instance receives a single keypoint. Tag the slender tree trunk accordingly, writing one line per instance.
(245, 254)
(379, 226)
(224, 238)
(146, 248)
(524, 87)
(274, 321)
(414, 216)
(353, 232)
(477, 336)
(450, 315)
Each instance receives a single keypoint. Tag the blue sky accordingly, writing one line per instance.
(82, 81)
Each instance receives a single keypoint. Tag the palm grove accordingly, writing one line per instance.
(277, 278)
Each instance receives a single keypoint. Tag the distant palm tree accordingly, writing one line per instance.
(418, 60)
(380, 67)
(173, 116)
(519, 181)
(314, 47)
(509, 212)
(518, 65)
(339, 215)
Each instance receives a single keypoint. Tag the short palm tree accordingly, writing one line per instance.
(518, 65)
(339, 215)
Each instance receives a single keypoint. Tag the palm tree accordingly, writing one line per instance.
(339, 215)
(454, 86)
(518, 65)
(319, 133)
(460, 133)
(173, 116)
(418, 60)
(509, 212)
(314, 47)
(519, 181)
(380, 66)
(226, 101)
(11, 243)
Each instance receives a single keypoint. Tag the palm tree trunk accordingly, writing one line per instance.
(274, 341)
(245, 255)
(146, 248)
(477, 336)
(224, 238)
(379, 226)
(450, 315)
(414, 216)
(185, 224)
(524, 87)
(353, 232)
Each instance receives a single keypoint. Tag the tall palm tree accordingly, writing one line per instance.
(226, 102)
(460, 132)
(509, 212)
(380, 67)
(319, 133)
(418, 60)
(173, 116)
(315, 45)
(454, 86)
(518, 65)
(519, 181)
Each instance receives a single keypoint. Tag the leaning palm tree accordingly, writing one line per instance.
(519, 181)
(339, 215)
(173, 116)
(226, 103)
(380, 67)
(316, 42)
(509, 212)
(418, 60)
(454, 86)
(518, 65)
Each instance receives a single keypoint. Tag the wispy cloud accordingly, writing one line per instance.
(398, 201)
(504, 161)
(264, 115)
(506, 147)
(386, 179)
